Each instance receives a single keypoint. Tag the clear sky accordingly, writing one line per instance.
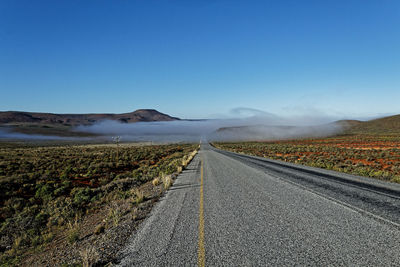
(198, 59)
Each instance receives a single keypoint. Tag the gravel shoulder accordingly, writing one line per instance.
(168, 237)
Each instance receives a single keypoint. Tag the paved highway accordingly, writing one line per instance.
(229, 209)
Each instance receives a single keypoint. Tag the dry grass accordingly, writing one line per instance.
(187, 159)
(138, 196)
(114, 214)
(89, 256)
(73, 231)
(99, 229)
(156, 181)
(18, 242)
(167, 181)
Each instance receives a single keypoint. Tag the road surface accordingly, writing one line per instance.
(228, 209)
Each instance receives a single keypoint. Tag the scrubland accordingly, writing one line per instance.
(64, 204)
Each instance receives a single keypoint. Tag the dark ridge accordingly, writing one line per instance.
(18, 117)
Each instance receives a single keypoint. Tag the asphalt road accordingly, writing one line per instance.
(228, 209)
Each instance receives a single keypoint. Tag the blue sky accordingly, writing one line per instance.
(201, 59)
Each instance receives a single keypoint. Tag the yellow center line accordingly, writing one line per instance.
(201, 251)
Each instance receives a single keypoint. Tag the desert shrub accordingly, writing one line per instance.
(61, 191)
(81, 196)
(73, 235)
(40, 219)
(44, 192)
(45, 188)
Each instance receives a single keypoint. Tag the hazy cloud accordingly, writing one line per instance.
(5, 134)
(249, 124)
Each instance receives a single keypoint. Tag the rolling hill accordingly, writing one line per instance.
(62, 124)
(17, 117)
(386, 125)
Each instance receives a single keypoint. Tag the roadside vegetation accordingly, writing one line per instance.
(66, 198)
(375, 156)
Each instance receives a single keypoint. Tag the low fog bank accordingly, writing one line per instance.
(239, 129)
(9, 135)
(262, 132)
(243, 124)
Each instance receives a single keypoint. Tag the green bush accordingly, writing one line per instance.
(44, 188)
(81, 195)
(44, 192)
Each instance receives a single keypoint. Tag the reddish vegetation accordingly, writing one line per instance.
(375, 156)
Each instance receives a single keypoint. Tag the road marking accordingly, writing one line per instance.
(201, 250)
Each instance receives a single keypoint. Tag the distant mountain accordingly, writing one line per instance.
(64, 124)
(18, 117)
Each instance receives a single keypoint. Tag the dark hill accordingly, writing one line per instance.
(18, 117)
(64, 124)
